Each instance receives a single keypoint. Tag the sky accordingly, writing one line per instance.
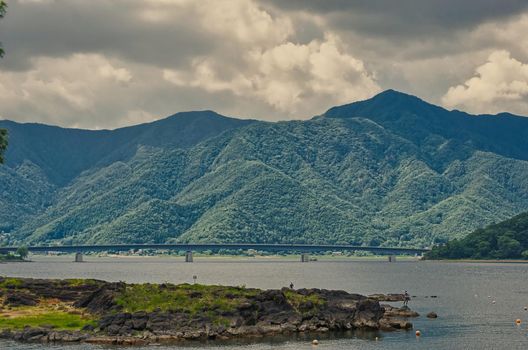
(107, 64)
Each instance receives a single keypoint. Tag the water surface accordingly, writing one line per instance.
(467, 317)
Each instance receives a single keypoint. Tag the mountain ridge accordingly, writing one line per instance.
(373, 174)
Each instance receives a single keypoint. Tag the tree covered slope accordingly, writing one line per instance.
(505, 240)
(392, 170)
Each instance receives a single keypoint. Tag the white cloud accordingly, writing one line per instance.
(204, 75)
(59, 89)
(121, 75)
(500, 84)
(294, 79)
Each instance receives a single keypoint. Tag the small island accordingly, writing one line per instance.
(99, 312)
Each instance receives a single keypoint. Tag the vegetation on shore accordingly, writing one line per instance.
(505, 240)
(20, 255)
(191, 298)
(19, 308)
(19, 318)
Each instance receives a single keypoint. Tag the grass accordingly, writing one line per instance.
(10, 282)
(211, 301)
(48, 312)
(59, 320)
(76, 282)
(184, 297)
(296, 300)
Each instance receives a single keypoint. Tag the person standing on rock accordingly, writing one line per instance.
(291, 285)
(406, 298)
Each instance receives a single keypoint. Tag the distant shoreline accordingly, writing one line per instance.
(260, 258)
(484, 261)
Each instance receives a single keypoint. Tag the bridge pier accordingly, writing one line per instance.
(305, 257)
(78, 257)
(392, 258)
(189, 256)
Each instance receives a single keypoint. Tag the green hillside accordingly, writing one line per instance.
(392, 170)
(505, 240)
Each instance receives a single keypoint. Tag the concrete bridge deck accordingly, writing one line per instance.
(197, 247)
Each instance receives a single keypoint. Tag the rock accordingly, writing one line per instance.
(288, 327)
(33, 334)
(113, 329)
(106, 321)
(88, 328)
(20, 298)
(432, 314)
(387, 297)
(139, 324)
(6, 334)
(391, 311)
(390, 324)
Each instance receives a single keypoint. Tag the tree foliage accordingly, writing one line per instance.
(22, 252)
(505, 240)
(3, 144)
(3, 7)
(3, 132)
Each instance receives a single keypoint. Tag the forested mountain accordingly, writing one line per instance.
(505, 240)
(392, 170)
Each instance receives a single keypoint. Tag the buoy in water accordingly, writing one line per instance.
(489, 296)
(526, 308)
(518, 321)
(315, 342)
(418, 333)
(493, 302)
(376, 338)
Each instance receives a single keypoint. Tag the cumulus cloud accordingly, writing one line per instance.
(58, 90)
(105, 64)
(251, 53)
(499, 84)
(292, 78)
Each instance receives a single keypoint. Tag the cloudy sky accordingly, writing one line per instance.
(106, 64)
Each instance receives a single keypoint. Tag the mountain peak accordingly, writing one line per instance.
(387, 101)
(394, 94)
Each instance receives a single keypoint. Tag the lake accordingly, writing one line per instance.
(468, 318)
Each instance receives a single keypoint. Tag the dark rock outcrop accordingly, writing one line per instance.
(257, 313)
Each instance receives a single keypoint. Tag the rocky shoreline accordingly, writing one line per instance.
(99, 312)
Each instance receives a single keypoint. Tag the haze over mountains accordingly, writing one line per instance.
(391, 170)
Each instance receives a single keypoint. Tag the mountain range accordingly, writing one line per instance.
(392, 170)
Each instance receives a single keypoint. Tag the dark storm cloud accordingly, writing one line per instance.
(59, 28)
(406, 17)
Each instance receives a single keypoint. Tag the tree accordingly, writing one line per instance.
(508, 247)
(3, 144)
(3, 132)
(524, 255)
(3, 7)
(22, 252)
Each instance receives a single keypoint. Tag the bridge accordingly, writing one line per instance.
(304, 249)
